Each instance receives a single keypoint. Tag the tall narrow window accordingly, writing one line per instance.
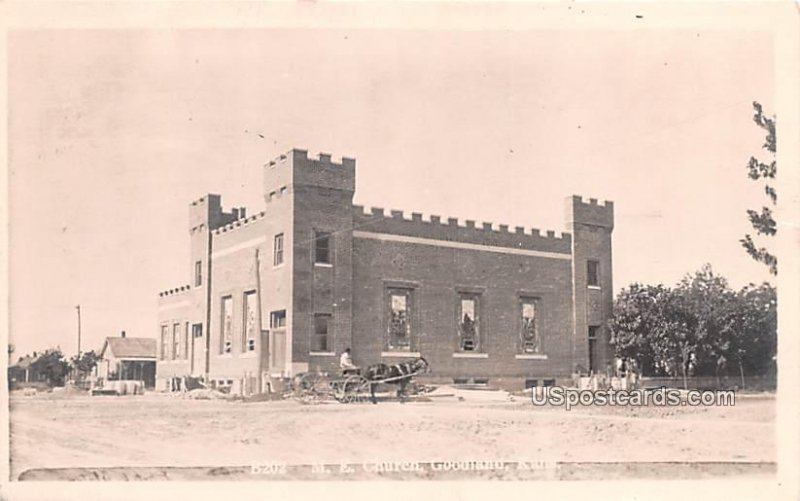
(529, 335)
(176, 341)
(227, 325)
(198, 273)
(592, 273)
(322, 248)
(399, 321)
(593, 329)
(469, 331)
(164, 341)
(186, 341)
(319, 341)
(197, 330)
(278, 250)
(249, 324)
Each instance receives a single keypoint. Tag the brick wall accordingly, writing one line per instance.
(174, 308)
(591, 225)
(320, 289)
(436, 275)
(233, 275)
(319, 193)
(373, 252)
(397, 223)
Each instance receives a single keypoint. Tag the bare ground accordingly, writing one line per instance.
(125, 433)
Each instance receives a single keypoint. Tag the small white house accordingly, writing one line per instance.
(128, 358)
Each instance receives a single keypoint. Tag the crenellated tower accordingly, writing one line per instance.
(205, 216)
(314, 197)
(591, 225)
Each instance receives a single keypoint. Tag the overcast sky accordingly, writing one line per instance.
(113, 133)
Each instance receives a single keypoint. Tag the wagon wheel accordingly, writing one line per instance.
(354, 389)
(338, 389)
(308, 386)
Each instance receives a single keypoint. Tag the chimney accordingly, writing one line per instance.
(122, 335)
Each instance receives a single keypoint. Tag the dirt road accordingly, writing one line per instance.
(153, 430)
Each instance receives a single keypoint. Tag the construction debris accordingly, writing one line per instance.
(205, 394)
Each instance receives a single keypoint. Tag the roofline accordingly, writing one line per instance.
(106, 344)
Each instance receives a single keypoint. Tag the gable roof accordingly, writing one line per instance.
(130, 347)
(25, 362)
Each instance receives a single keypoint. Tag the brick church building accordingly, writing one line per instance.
(286, 290)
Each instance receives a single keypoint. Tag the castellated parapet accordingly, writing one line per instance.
(338, 275)
(589, 213)
(297, 168)
(239, 223)
(397, 223)
(174, 292)
(206, 213)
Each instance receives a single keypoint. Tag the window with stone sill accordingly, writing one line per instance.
(469, 326)
(319, 339)
(250, 330)
(593, 273)
(529, 335)
(227, 325)
(399, 320)
(322, 248)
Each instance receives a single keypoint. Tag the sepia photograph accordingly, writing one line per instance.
(396, 252)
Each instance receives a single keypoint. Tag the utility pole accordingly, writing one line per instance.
(263, 346)
(207, 371)
(79, 329)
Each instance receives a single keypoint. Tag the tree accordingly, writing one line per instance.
(678, 338)
(667, 330)
(763, 222)
(52, 366)
(755, 340)
(635, 314)
(84, 363)
(700, 327)
(713, 304)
